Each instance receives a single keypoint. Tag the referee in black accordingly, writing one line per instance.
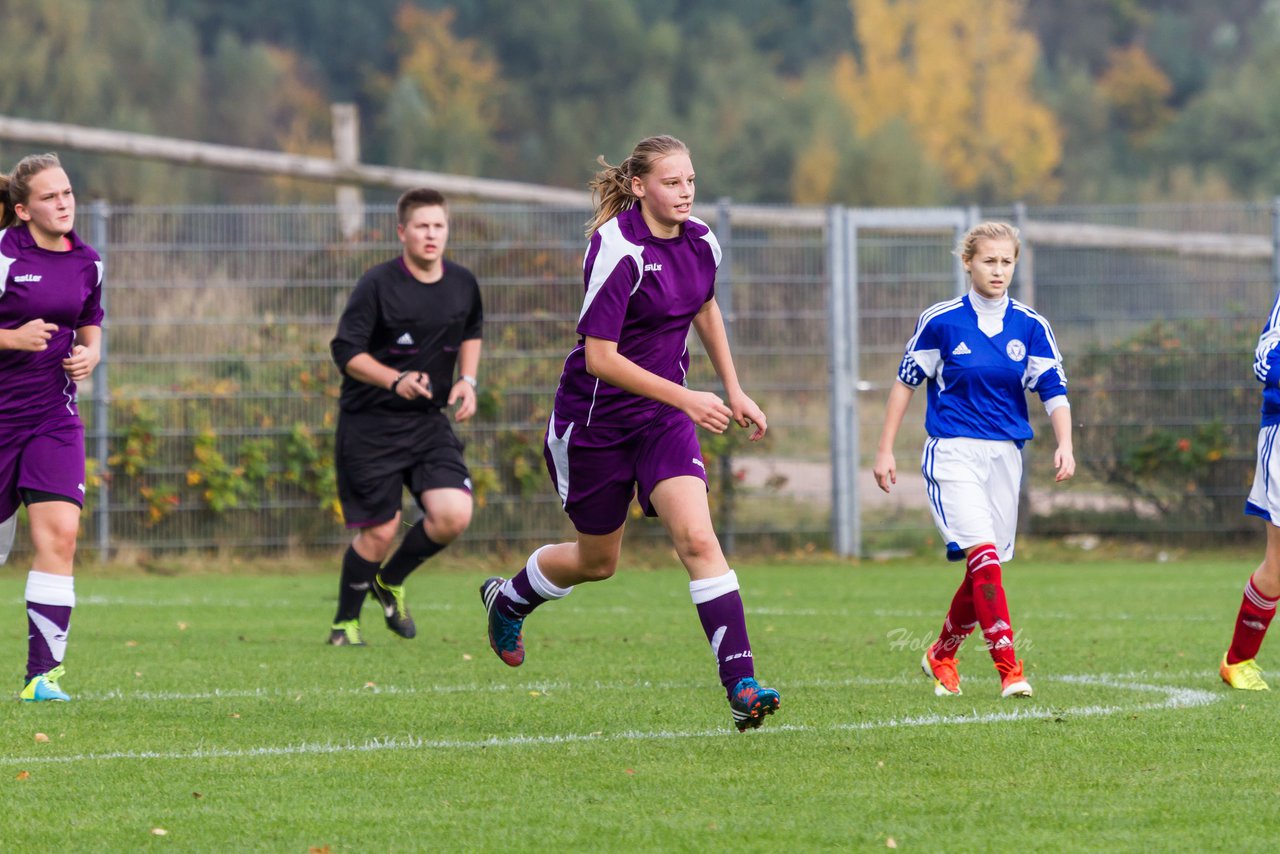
(409, 324)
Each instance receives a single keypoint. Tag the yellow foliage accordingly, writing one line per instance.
(960, 75)
(1136, 90)
(814, 171)
(453, 74)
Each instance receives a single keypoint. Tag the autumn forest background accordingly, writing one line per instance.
(858, 102)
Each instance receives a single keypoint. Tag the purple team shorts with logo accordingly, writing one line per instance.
(598, 469)
(47, 456)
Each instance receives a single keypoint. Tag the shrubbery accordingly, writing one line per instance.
(1136, 432)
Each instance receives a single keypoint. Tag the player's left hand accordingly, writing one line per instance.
(81, 362)
(747, 414)
(465, 396)
(1065, 462)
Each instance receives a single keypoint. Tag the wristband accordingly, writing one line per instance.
(392, 388)
(469, 380)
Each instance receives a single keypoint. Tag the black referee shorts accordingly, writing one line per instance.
(377, 455)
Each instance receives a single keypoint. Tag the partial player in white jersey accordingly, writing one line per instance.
(980, 354)
(1239, 667)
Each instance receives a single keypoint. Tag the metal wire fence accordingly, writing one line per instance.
(210, 420)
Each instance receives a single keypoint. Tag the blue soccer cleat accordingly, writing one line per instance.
(750, 703)
(44, 687)
(505, 634)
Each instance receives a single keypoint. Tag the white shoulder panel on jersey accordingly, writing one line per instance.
(1267, 342)
(710, 237)
(1039, 364)
(5, 263)
(613, 248)
(101, 269)
(926, 360)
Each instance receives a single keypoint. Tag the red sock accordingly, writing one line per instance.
(989, 605)
(1255, 615)
(958, 624)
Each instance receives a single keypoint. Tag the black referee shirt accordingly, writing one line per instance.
(407, 325)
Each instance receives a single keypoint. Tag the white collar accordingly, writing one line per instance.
(983, 305)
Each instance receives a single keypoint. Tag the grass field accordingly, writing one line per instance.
(207, 707)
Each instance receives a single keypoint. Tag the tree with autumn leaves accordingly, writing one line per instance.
(959, 76)
(862, 102)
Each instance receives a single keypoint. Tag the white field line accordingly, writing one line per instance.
(1033, 614)
(1174, 697)
(760, 610)
(1118, 680)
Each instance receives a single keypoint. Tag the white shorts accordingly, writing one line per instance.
(1264, 497)
(972, 486)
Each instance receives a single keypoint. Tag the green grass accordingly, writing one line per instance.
(207, 705)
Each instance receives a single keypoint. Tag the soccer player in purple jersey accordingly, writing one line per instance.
(409, 323)
(981, 353)
(50, 339)
(624, 419)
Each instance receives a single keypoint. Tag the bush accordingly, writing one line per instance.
(1139, 410)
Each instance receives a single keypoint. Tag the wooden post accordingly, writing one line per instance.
(346, 153)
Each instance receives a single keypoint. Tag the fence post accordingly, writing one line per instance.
(99, 213)
(724, 298)
(840, 230)
(853, 367)
(1275, 244)
(1024, 273)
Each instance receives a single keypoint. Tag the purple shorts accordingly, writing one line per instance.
(47, 456)
(598, 469)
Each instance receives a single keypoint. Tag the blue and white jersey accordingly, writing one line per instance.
(980, 357)
(1266, 366)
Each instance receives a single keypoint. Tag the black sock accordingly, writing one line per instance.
(357, 573)
(414, 549)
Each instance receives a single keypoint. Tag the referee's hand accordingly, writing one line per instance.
(414, 385)
(465, 396)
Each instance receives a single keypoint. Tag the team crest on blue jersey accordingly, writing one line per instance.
(1016, 350)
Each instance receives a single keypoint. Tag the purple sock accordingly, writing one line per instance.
(720, 610)
(526, 590)
(517, 598)
(50, 599)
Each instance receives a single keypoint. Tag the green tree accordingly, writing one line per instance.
(123, 65)
(1232, 128)
(444, 101)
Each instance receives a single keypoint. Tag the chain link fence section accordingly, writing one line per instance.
(210, 421)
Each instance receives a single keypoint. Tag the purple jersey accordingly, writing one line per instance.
(642, 292)
(64, 288)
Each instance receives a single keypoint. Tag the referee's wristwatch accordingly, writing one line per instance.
(468, 379)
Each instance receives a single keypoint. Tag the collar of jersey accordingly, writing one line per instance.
(982, 305)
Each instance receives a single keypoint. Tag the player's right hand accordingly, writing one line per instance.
(415, 384)
(708, 411)
(32, 336)
(886, 470)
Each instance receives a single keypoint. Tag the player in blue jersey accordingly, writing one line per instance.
(623, 422)
(1239, 667)
(50, 339)
(409, 323)
(980, 354)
